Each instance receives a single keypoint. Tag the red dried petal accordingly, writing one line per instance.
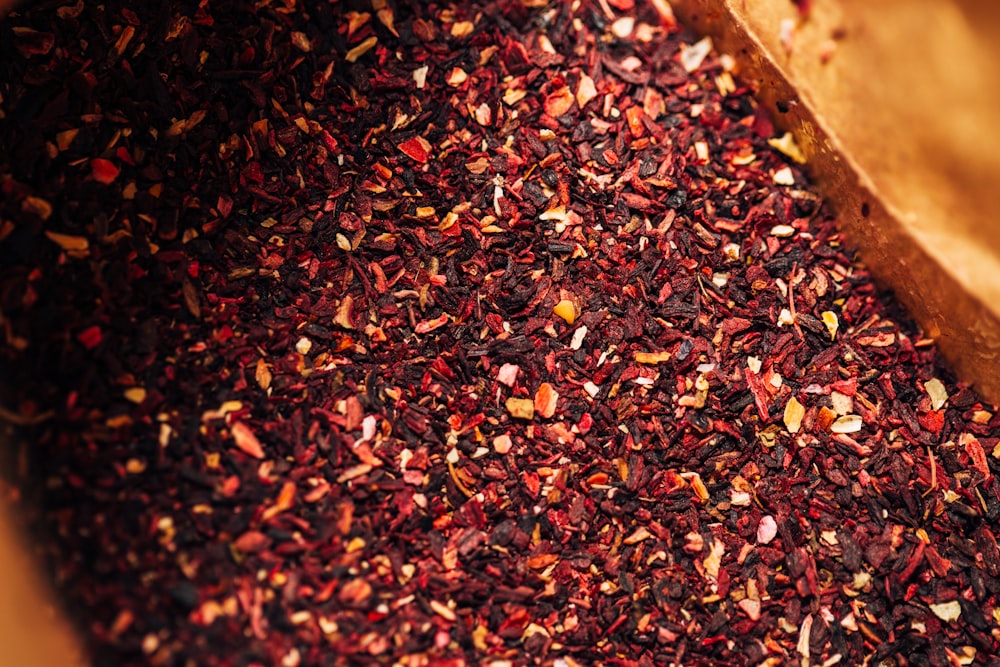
(224, 205)
(760, 395)
(104, 171)
(416, 148)
(90, 337)
(933, 421)
(329, 141)
(531, 483)
(122, 154)
(938, 563)
(977, 455)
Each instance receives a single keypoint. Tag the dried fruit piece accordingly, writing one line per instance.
(507, 374)
(361, 49)
(355, 591)
(284, 501)
(301, 41)
(541, 561)
(638, 535)
(262, 374)
(787, 145)
(502, 444)
(804, 646)
(767, 529)
(977, 456)
(794, 412)
(699, 488)
(623, 27)
(344, 316)
(847, 424)
(512, 96)
(246, 441)
(456, 77)
(462, 28)
(303, 345)
(546, 399)
(420, 76)
(387, 18)
(783, 176)
(652, 357)
(565, 309)
(842, 403)
(750, 607)
(713, 561)
(37, 206)
(443, 610)
(252, 541)
(947, 611)
(557, 213)
(69, 243)
(634, 119)
(521, 408)
(939, 395)
(559, 102)
(831, 322)
(585, 91)
(135, 395)
(430, 325)
(692, 56)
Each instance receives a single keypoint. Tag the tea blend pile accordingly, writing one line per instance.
(480, 334)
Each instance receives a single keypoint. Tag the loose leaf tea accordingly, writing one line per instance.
(345, 333)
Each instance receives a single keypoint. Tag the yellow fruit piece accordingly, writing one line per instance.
(831, 322)
(794, 412)
(651, 357)
(135, 394)
(521, 408)
(566, 310)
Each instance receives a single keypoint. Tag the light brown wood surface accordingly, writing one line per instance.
(33, 632)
